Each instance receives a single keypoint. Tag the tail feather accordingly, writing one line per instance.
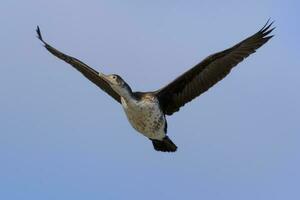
(165, 145)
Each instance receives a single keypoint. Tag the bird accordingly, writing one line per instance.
(147, 111)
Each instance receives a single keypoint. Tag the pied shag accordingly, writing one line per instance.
(146, 111)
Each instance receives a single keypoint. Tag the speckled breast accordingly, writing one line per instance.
(145, 116)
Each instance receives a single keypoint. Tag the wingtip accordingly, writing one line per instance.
(270, 21)
(39, 34)
(267, 28)
(267, 25)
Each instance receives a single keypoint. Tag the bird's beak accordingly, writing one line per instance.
(104, 77)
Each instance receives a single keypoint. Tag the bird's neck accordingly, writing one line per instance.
(128, 96)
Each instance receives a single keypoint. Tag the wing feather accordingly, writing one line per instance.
(87, 71)
(207, 73)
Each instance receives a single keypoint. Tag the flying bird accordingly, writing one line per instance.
(146, 111)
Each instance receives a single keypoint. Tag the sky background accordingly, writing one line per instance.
(63, 138)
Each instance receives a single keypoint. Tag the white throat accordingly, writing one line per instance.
(125, 94)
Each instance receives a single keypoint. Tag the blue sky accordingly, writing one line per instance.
(63, 138)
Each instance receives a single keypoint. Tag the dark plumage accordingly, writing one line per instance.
(146, 110)
(87, 71)
(166, 145)
(208, 72)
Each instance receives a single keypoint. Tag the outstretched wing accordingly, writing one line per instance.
(208, 72)
(87, 71)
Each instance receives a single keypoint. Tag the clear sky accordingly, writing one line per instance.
(63, 138)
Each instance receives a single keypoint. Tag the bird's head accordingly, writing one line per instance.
(117, 84)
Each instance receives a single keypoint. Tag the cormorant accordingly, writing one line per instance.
(146, 111)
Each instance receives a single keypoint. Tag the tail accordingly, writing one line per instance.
(165, 145)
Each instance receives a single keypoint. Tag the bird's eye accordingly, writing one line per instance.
(114, 77)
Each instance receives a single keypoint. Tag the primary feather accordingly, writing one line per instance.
(212, 69)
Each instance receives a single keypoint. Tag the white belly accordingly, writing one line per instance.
(146, 117)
